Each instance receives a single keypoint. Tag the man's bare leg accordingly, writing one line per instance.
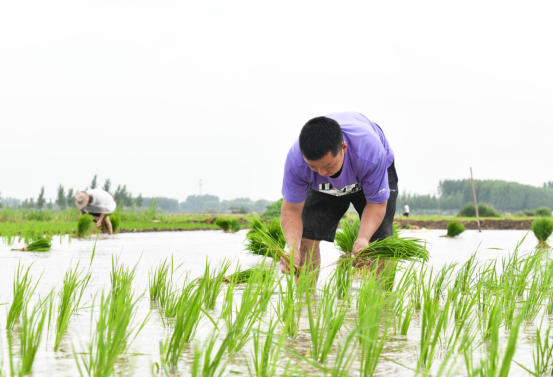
(310, 255)
(108, 225)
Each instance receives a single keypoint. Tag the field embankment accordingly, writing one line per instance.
(498, 224)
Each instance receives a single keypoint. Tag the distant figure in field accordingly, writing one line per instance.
(98, 203)
(405, 210)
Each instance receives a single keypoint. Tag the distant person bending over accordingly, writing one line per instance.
(405, 210)
(98, 203)
(339, 159)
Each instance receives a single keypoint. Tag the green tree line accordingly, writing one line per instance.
(502, 195)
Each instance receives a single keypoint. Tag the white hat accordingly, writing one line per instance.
(81, 199)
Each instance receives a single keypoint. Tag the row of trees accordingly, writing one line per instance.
(64, 198)
(504, 196)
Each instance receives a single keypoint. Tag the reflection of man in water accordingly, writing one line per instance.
(98, 203)
(338, 160)
(405, 210)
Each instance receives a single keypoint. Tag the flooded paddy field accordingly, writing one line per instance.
(400, 354)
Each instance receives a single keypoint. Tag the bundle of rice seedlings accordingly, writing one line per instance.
(257, 245)
(240, 277)
(394, 247)
(405, 248)
(346, 238)
(228, 225)
(274, 247)
(454, 228)
(83, 225)
(542, 228)
(41, 244)
(115, 220)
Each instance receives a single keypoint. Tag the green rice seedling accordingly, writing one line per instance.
(69, 300)
(115, 220)
(371, 342)
(256, 243)
(494, 365)
(157, 280)
(523, 270)
(418, 284)
(369, 291)
(326, 317)
(400, 300)
(121, 277)
(410, 249)
(464, 278)
(235, 225)
(228, 225)
(344, 357)
(243, 276)
(434, 321)
(83, 225)
(213, 283)
(40, 244)
(344, 277)
(548, 290)
(345, 239)
(189, 313)
(542, 355)
(23, 290)
(275, 248)
(31, 333)
(265, 354)
(248, 313)
(113, 333)
(291, 296)
(535, 297)
(209, 362)
(227, 311)
(463, 304)
(172, 299)
(491, 317)
(542, 228)
(454, 228)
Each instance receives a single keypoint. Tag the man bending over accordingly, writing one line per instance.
(99, 204)
(339, 159)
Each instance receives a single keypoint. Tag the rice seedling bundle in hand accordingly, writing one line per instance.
(346, 238)
(542, 228)
(454, 228)
(393, 247)
(41, 244)
(258, 234)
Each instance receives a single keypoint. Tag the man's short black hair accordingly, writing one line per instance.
(319, 136)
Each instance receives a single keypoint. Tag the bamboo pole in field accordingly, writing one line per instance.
(475, 202)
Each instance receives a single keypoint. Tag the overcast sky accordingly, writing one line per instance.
(160, 94)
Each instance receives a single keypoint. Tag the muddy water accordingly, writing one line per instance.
(146, 250)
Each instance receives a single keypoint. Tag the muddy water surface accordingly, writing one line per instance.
(146, 250)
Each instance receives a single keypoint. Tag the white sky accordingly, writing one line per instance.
(158, 94)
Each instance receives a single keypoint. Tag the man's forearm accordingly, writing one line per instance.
(292, 226)
(101, 217)
(373, 214)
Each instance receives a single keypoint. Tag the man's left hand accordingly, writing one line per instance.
(360, 244)
(98, 224)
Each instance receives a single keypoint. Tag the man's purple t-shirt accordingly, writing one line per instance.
(365, 164)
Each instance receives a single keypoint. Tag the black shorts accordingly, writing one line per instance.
(322, 212)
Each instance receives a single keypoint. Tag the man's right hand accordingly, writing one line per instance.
(285, 266)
